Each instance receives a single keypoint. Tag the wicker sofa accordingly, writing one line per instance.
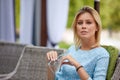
(27, 62)
(24, 62)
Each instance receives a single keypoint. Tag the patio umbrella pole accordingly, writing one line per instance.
(97, 5)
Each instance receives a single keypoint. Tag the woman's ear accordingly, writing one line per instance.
(96, 29)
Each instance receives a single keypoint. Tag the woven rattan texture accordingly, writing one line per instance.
(9, 56)
(116, 75)
(33, 65)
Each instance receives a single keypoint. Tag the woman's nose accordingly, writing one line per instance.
(84, 26)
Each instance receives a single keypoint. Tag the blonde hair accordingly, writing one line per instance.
(97, 19)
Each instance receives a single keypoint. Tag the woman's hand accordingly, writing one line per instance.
(67, 60)
(71, 61)
(52, 55)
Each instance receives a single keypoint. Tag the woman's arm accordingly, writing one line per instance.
(100, 69)
(81, 71)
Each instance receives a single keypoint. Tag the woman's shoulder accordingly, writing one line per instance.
(72, 48)
(102, 51)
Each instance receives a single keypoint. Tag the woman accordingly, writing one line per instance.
(87, 59)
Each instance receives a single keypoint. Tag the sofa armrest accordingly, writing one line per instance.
(116, 75)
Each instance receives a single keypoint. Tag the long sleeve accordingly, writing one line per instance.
(100, 69)
(94, 61)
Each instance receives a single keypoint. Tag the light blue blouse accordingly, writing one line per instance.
(94, 61)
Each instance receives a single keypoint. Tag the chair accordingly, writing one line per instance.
(25, 62)
(33, 64)
(113, 52)
(9, 57)
(116, 75)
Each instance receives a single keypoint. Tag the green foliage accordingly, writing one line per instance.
(105, 13)
(115, 15)
(74, 6)
(64, 45)
(17, 13)
(109, 12)
(110, 15)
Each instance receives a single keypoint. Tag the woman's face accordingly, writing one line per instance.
(86, 26)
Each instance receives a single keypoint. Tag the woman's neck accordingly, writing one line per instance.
(87, 44)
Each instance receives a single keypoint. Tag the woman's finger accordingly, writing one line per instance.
(55, 55)
(68, 59)
(48, 56)
(52, 55)
(66, 63)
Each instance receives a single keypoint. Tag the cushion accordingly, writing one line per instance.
(113, 52)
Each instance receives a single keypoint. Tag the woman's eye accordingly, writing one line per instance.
(88, 22)
(79, 23)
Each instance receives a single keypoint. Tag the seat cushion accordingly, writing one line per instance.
(113, 52)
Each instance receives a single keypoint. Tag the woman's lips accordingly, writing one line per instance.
(84, 32)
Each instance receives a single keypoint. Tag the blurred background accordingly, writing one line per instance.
(48, 22)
